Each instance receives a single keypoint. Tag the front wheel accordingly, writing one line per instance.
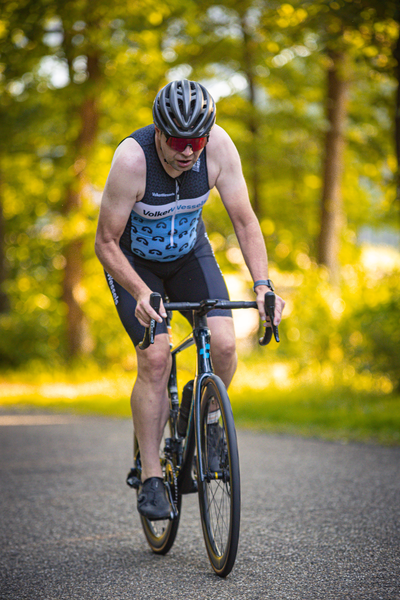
(160, 535)
(219, 493)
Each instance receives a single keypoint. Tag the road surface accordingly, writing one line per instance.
(320, 520)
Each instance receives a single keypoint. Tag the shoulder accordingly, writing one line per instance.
(219, 139)
(127, 176)
(129, 158)
(222, 155)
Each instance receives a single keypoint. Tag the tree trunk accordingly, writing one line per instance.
(397, 117)
(331, 205)
(4, 305)
(253, 121)
(89, 118)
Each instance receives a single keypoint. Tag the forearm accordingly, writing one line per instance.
(253, 248)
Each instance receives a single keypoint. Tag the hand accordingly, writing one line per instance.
(144, 312)
(279, 306)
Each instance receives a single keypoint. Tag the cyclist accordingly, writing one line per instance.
(151, 238)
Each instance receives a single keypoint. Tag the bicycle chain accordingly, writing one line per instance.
(169, 461)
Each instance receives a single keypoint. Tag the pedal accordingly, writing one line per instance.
(133, 479)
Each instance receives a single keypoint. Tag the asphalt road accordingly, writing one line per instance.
(320, 520)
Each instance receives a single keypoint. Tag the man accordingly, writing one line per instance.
(151, 238)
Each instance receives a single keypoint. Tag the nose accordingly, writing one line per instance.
(188, 150)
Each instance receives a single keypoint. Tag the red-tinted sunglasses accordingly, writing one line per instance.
(179, 144)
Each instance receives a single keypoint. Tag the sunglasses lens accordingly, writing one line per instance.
(179, 144)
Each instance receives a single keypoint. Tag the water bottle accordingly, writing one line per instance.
(184, 408)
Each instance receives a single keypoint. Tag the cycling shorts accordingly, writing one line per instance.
(194, 277)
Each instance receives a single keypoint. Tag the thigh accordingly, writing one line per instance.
(222, 334)
(126, 304)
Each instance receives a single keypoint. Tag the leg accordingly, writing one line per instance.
(149, 399)
(149, 402)
(223, 347)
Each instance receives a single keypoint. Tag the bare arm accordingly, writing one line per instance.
(232, 188)
(123, 188)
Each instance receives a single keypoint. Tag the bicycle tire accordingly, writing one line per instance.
(160, 535)
(219, 493)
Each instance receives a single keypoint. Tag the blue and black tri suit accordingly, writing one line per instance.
(165, 239)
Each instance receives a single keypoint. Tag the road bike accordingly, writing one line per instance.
(199, 450)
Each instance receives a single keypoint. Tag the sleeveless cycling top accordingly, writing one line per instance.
(164, 225)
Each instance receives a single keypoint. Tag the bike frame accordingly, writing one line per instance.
(201, 337)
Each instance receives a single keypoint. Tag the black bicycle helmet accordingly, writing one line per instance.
(184, 109)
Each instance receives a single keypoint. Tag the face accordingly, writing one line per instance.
(179, 161)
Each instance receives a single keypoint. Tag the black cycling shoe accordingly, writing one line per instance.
(216, 447)
(152, 501)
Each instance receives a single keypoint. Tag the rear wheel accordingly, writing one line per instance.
(160, 535)
(219, 493)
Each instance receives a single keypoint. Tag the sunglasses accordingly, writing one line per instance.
(179, 144)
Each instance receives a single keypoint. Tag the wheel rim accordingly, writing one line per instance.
(217, 484)
(158, 532)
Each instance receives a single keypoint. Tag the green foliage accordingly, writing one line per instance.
(266, 62)
(372, 334)
(319, 411)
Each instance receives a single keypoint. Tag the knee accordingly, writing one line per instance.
(224, 351)
(154, 364)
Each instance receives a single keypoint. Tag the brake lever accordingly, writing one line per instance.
(269, 302)
(150, 332)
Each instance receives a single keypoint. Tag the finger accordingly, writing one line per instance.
(143, 316)
(280, 305)
(146, 312)
(155, 316)
(163, 312)
(143, 322)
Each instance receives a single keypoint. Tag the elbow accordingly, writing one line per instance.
(99, 249)
(105, 248)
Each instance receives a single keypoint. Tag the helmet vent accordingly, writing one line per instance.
(184, 109)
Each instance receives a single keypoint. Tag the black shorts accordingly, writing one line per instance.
(194, 277)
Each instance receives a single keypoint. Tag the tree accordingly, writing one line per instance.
(396, 55)
(331, 202)
(348, 33)
(66, 69)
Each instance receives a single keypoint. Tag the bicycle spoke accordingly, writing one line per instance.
(221, 525)
(218, 493)
(220, 490)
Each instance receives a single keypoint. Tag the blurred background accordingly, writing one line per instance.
(309, 92)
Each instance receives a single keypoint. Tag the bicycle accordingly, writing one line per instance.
(191, 462)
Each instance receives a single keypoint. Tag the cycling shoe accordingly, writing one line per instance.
(152, 501)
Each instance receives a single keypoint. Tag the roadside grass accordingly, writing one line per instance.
(308, 409)
(312, 411)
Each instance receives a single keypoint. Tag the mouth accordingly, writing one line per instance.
(184, 163)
